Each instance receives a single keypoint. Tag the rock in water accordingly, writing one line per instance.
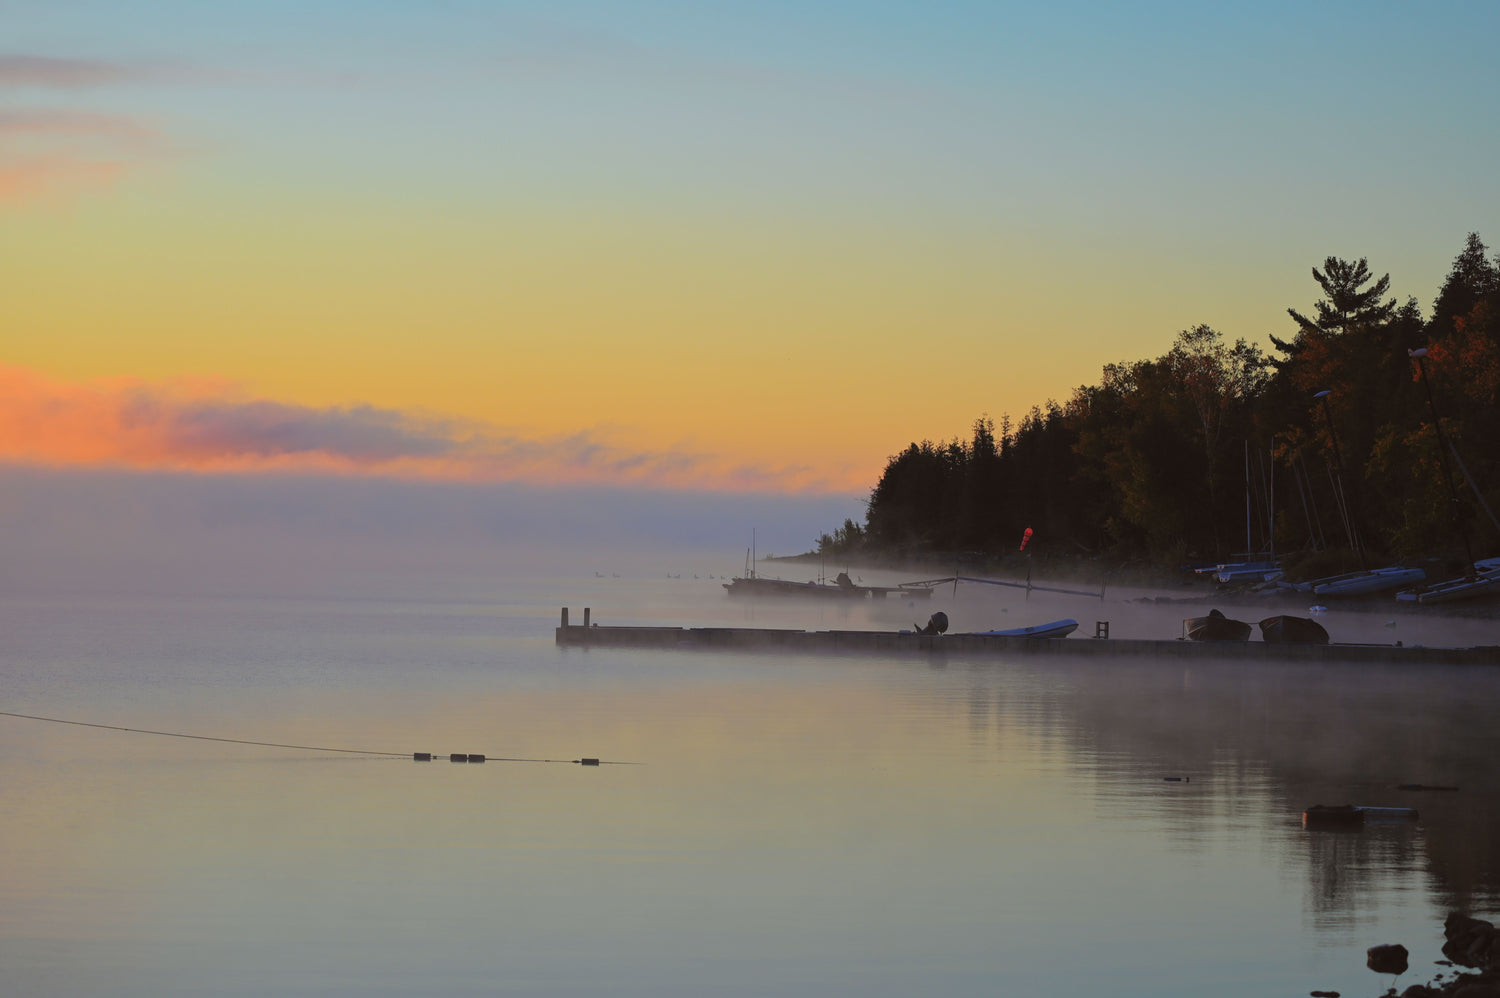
(1386, 959)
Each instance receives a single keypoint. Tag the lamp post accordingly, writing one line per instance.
(1454, 509)
(1350, 526)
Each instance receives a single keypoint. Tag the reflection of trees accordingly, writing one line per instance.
(1262, 742)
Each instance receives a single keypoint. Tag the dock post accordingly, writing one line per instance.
(585, 616)
(565, 617)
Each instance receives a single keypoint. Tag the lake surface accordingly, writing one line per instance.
(781, 824)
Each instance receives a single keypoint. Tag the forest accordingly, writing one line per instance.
(1326, 444)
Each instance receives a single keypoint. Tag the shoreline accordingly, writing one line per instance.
(1162, 586)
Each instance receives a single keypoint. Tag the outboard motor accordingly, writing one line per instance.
(936, 624)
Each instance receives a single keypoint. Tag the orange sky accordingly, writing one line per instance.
(600, 245)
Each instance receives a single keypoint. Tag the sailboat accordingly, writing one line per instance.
(1253, 568)
(1363, 583)
(1485, 582)
(1367, 580)
(1483, 578)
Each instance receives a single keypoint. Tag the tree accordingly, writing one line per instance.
(1472, 279)
(1346, 302)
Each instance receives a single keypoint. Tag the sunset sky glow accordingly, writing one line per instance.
(714, 247)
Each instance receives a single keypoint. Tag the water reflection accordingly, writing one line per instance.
(844, 825)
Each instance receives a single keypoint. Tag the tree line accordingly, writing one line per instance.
(1326, 443)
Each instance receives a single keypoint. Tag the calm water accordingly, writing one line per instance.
(789, 825)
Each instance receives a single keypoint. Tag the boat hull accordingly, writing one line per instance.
(1486, 583)
(1216, 627)
(1292, 630)
(1377, 580)
(1056, 629)
(786, 587)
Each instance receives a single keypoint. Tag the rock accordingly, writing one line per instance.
(1472, 942)
(1477, 989)
(1386, 959)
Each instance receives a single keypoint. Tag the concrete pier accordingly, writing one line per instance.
(899, 643)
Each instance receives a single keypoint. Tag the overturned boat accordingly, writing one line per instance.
(1363, 583)
(1484, 582)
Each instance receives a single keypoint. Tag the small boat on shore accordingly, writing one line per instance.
(1375, 580)
(1055, 629)
(1215, 627)
(1248, 571)
(1285, 629)
(1484, 582)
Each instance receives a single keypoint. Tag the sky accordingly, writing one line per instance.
(709, 248)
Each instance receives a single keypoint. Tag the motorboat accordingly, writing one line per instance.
(842, 586)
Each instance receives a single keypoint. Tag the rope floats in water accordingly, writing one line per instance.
(415, 756)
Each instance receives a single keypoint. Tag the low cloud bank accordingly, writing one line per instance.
(77, 530)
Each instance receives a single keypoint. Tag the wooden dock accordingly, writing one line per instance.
(762, 639)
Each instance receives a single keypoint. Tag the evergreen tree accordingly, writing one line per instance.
(1472, 279)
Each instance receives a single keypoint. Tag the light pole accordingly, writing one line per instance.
(1454, 508)
(1350, 526)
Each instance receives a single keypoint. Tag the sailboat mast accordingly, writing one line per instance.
(1249, 546)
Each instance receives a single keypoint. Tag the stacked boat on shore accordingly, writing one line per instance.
(1409, 583)
(1483, 581)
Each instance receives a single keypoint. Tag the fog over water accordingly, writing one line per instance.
(792, 824)
(156, 532)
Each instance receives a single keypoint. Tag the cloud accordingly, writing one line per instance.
(58, 153)
(210, 426)
(52, 153)
(53, 73)
(47, 71)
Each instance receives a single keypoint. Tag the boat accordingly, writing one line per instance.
(1055, 629)
(842, 587)
(1253, 566)
(1484, 582)
(1216, 627)
(757, 586)
(1248, 571)
(1375, 580)
(1286, 629)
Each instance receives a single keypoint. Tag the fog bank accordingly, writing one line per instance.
(65, 530)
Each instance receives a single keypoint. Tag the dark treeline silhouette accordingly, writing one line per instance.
(1213, 447)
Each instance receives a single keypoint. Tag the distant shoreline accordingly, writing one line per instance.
(1169, 585)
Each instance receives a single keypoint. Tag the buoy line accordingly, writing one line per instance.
(417, 756)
